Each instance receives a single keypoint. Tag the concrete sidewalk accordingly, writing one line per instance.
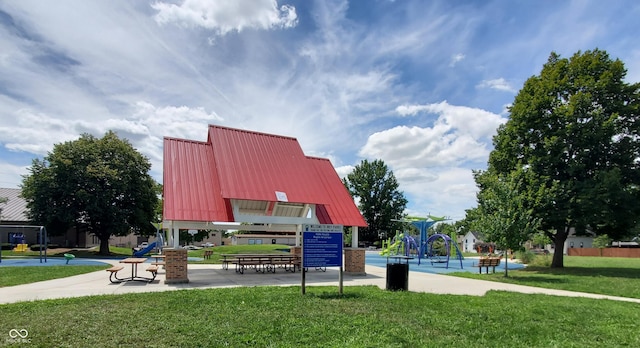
(213, 276)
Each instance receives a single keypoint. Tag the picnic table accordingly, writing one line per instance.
(134, 262)
(159, 259)
(261, 262)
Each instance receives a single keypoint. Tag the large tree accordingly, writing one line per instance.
(380, 201)
(504, 216)
(101, 183)
(574, 131)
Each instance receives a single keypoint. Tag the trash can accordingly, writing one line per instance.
(398, 273)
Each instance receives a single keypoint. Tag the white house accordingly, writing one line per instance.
(469, 240)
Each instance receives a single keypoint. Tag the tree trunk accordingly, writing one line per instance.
(506, 263)
(104, 243)
(558, 252)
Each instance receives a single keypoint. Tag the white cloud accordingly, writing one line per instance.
(343, 171)
(10, 174)
(453, 191)
(456, 58)
(500, 84)
(433, 163)
(475, 122)
(226, 16)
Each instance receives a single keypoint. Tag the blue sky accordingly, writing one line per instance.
(422, 85)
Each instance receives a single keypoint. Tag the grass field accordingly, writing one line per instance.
(362, 317)
(598, 275)
(10, 276)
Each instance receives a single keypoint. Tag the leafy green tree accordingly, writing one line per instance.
(601, 241)
(444, 228)
(540, 240)
(200, 235)
(504, 217)
(574, 131)
(101, 183)
(380, 201)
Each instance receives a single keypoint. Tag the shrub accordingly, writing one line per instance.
(6, 246)
(526, 256)
(541, 261)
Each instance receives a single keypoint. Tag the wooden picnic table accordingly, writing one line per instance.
(134, 262)
(159, 259)
(261, 262)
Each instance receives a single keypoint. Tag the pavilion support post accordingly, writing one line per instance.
(354, 257)
(298, 235)
(354, 236)
(176, 238)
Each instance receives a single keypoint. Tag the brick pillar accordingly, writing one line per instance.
(354, 261)
(175, 265)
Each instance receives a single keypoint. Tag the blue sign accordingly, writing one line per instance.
(322, 246)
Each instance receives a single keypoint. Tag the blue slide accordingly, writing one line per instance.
(141, 252)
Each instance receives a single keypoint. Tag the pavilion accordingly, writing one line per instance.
(261, 179)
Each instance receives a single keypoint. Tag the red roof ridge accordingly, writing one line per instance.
(318, 158)
(186, 140)
(252, 132)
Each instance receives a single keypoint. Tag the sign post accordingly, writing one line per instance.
(321, 247)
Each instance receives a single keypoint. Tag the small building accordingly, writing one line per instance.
(469, 240)
(575, 241)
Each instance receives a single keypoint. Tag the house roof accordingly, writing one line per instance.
(204, 181)
(16, 207)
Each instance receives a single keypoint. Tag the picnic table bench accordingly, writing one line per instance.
(487, 262)
(261, 262)
(114, 273)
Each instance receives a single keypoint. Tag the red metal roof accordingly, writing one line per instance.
(200, 178)
(341, 209)
(253, 166)
(191, 185)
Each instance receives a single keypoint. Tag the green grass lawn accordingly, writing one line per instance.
(598, 275)
(282, 317)
(10, 276)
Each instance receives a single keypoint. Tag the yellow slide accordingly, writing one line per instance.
(20, 247)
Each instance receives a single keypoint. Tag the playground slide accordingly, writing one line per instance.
(141, 252)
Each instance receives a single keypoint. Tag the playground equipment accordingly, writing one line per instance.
(14, 238)
(18, 240)
(69, 257)
(403, 243)
(437, 258)
(145, 250)
(155, 245)
(400, 244)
